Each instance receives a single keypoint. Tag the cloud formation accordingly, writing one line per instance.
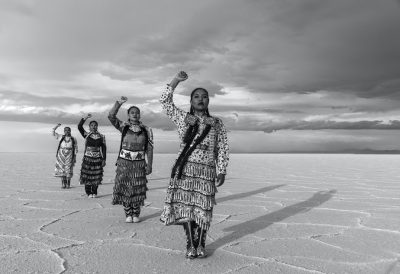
(318, 125)
(268, 65)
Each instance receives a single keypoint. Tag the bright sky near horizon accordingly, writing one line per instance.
(284, 75)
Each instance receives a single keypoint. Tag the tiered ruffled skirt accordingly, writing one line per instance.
(130, 183)
(91, 171)
(192, 197)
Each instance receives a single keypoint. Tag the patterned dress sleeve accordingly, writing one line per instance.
(112, 116)
(174, 113)
(76, 145)
(55, 134)
(222, 148)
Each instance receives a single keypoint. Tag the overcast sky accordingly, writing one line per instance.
(286, 75)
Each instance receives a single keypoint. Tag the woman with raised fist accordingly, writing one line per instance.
(135, 161)
(65, 156)
(94, 158)
(198, 170)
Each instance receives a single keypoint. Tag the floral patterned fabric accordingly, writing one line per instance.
(192, 196)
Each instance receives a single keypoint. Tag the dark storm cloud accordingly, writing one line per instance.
(307, 46)
(21, 98)
(30, 99)
(55, 57)
(282, 111)
(212, 88)
(50, 117)
(318, 125)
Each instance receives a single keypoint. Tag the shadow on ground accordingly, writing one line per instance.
(246, 194)
(223, 199)
(249, 227)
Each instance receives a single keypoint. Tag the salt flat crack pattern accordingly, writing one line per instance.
(284, 214)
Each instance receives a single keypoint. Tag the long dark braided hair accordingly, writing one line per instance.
(188, 139)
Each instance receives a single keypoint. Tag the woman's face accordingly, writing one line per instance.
(134, 115)
(200, 100)
(67, 131)
(93, 127)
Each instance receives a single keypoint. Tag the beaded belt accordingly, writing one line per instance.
(93, 152)
(131, 155)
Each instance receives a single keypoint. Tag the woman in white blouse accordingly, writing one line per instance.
(65, 156)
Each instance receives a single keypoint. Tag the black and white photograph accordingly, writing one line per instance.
(212, 136)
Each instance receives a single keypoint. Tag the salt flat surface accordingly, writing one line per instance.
(276, 213)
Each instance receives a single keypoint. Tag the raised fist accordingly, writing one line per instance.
(123, 99)
(181, 76)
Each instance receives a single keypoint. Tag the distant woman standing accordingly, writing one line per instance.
(198, 170)
(136, 145)
(65, 156)
(94, 158)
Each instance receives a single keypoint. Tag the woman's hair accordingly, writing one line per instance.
(132, 108)
(66, 128)
(95, 122)
(191, 111)
(188, 139)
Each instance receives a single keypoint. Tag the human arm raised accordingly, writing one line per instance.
(112, 115)
(176, 114)
(83, 132)
(179, 77)
(55, 134)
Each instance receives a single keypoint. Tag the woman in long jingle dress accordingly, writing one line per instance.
(94, 158)
(65, 156)
(136, 146)
(199, 169)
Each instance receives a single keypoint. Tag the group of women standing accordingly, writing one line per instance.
(196, 173)
(94, 158)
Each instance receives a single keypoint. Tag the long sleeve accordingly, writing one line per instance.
(104, 148)
(76, 146)
(55, 134)
(150, 146)
(81, 129)
(149, 153)
(222, 148)
(176, 114)
(112, 116)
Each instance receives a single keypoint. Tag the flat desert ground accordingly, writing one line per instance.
(276, 213)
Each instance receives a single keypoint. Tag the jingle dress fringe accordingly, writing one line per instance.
(130, 183)
(192, 197)
(91, 171)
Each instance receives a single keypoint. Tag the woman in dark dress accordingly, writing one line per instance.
(94, 158)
